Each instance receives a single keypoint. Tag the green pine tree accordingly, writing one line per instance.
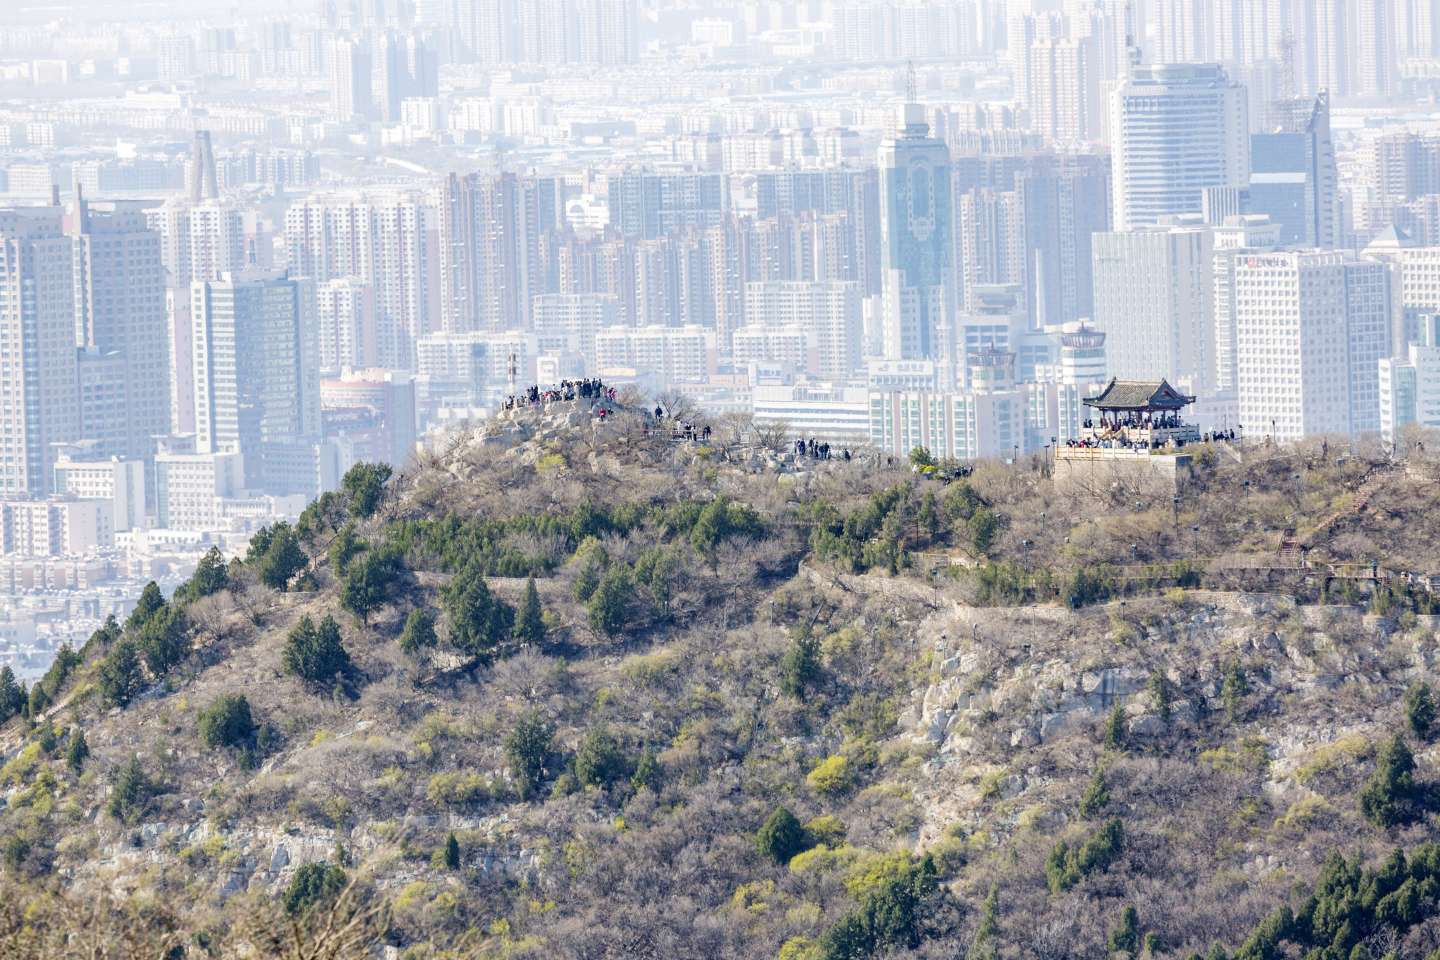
(419, 632)
(987, 931)
(1115, 729)
(781, 836)
(1160, 694)
(528, 749)
(78, 751)
(1126, 937)
(530, 624)
(1420, 710)
(1097, 796)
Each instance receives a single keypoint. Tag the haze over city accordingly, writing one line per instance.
(931, 290)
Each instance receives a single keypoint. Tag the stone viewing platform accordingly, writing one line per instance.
(1136, 438)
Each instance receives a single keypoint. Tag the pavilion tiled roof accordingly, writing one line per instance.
(1139, 395)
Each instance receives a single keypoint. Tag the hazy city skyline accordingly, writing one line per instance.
(247, 248)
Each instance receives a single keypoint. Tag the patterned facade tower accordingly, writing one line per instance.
(916, 251)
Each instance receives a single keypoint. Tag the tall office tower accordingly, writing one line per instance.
(1169, 118)
(257, 377)
(385, 239)
(489, 251)
(345, 319)
(350, 98)
(1061, 207)
(828, 312)
(916, 254)
(120, 324)
(1376, 64)
(38, 376)
(201, 171)
(1153, 302)
(989, 243)
(1064, 94)
(1311, 327)
(650, 205)
(1293, 177)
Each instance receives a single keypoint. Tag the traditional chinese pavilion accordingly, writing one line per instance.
(1139, 413)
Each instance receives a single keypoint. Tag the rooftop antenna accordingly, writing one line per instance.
(1287, 65)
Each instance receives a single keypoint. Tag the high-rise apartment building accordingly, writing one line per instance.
(647, 206)
(1061, 207)
(345, 320)
(1153, 303)
(1064, 92)
(829, 314)
(1175, 130)
(257, 377)
(568, 322)
(38, 375)
(350, 82)
(490, 233)
(385, 239)
(1376, 52)
(121, 328)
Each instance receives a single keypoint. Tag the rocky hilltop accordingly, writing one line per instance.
(611, 687)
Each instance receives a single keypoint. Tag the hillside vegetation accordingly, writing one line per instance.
(574, 689)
